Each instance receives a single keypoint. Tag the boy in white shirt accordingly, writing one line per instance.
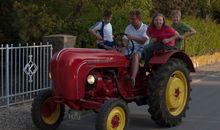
(102, 30)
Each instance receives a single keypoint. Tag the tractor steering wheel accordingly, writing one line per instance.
(130, 52)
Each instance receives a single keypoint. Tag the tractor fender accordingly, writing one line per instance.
(162, 58)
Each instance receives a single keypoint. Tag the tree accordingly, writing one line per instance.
(32, 21)
(7, 32)
(186, 6)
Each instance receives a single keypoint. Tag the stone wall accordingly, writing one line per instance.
(60, 41)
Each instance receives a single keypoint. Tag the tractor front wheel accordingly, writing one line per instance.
(47, 114)
(169, 93)
(113, 116)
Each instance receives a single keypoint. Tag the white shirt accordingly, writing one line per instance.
(141, 32)
(107, 30)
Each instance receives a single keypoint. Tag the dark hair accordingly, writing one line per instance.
(154, 16)
(136, 13)
(107, 13)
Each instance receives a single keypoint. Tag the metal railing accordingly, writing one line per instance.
(23, 72)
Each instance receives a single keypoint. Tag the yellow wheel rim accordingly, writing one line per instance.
(176, 93)
(116, 119)
(50, 112)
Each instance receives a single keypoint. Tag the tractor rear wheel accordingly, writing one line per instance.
(169, 93)
(46, 114)
(113, 116)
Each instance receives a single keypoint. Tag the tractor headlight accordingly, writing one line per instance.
(91, 79)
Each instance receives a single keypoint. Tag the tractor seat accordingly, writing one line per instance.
(162, 51)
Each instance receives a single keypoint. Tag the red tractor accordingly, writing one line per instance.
(94, 79)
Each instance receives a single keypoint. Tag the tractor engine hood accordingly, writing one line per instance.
(70, 67)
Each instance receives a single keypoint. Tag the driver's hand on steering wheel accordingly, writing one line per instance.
(125, 42)
(130, 37)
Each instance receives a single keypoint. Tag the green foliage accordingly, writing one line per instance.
(32, 21)
(7, 32)
(216, 10)
(90, 12)
(165, 6)
(29, 20)
(204, 8)
(209, 8)
(207, 38)
(121, 19)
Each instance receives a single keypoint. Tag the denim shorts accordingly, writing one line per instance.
(139, 51)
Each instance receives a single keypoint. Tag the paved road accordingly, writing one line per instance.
(204, 112)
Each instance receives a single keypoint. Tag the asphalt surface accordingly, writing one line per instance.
(204, 112)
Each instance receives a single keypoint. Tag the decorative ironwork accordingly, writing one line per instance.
(23, 72)
(30, 68)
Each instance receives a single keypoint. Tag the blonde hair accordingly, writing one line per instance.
(176, 12)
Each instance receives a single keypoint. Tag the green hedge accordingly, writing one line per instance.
(27, 21)
(207, 39)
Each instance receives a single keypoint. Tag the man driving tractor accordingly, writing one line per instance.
(135, 31)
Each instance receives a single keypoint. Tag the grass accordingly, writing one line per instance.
(207, 39)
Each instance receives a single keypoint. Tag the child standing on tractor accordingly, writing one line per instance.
(161, 37)
(102, 30)
(183, 29)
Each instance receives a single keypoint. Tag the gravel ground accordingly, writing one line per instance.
(19, 117)
(16, 118)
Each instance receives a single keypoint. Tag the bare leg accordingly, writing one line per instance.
(134, 65)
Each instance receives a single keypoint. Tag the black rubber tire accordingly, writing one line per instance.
(157, 98)
(36, 112)
(107, 107)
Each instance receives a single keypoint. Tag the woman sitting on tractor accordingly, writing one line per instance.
(162, 37)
